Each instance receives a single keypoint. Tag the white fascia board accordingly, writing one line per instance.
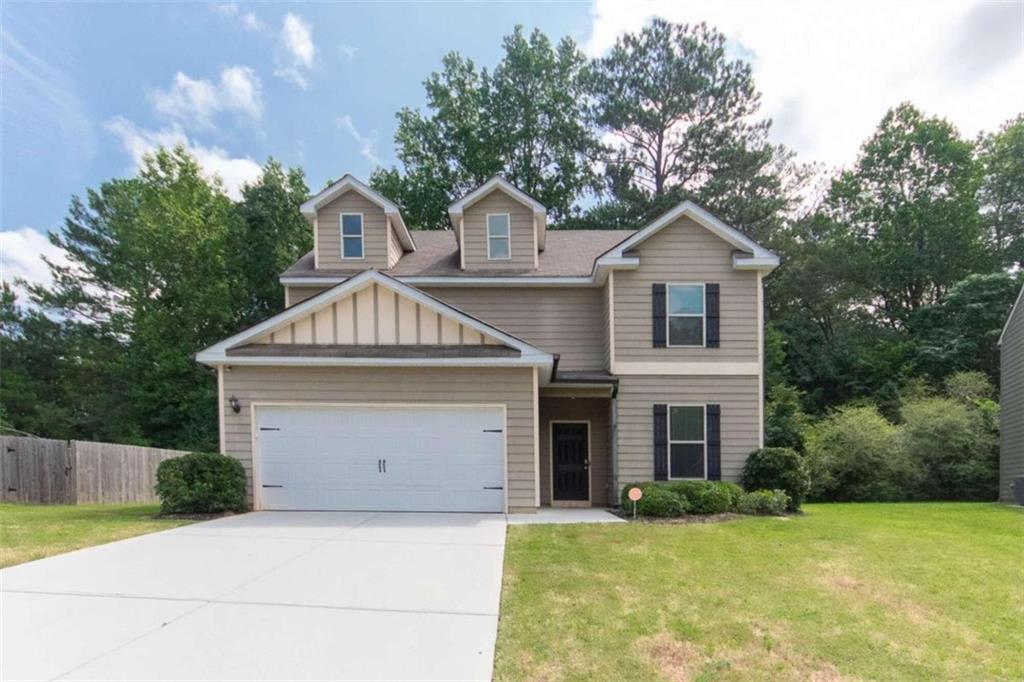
(497, 182)
(1013, 311)
(298, 360)
(350, 182)
(352, 284)
(701, 217)
(763, 263)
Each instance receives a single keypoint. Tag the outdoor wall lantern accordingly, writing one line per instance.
(236, 407)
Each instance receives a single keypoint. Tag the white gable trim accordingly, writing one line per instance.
(1016, 307)
(497, 182)
(217, 353)
(762, 258)
(348, 182)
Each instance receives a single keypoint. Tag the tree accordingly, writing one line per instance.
(273, 235)
(683, 116)
(784, 418)
(910, 204)
(524, 120)
(1001, 156)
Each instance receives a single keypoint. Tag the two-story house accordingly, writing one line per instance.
(497, 366)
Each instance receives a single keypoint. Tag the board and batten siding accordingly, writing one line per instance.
(298, 294)
(512, 387)
(375, 315)
(737, 395)
(685, 252)
(523, 245)
(1011, 400)
(563, 320)
(375, 235)
(594, 410)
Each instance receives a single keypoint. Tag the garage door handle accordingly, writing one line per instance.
(267, 485)
(494, 487)
(493, 430)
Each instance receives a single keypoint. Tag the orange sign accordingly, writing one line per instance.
(635, 494)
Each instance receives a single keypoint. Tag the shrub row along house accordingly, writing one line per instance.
(497, 366)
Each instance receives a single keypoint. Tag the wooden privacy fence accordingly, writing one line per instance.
(48, 471)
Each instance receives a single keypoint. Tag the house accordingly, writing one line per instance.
(1011, 401)
(497, 366)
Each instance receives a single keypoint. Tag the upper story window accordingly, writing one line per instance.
(351, 235)
(499, 243)
(685, 314)
(687, 442)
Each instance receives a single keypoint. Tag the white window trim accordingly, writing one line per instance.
(362, 236)
(668, 436)
(508, 238)
(703, 316)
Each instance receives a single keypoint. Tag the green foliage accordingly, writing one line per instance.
(1001, 156)
(706, 497)
(200, 483)
(524, 120)
(778, 468)
(763, 502)
(854, 456)
(657, 501)
(955, 446)
(784, 418)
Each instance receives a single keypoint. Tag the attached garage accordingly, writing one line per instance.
(445, 458)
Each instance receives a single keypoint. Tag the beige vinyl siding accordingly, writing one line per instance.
(375, 314)
(685, 252)
(737, 396)
(300, 294)
(375, 248)
(563, 320)
(394, 246)
(595, 410)
(1011, 400)
(512, 387)
(522, 238)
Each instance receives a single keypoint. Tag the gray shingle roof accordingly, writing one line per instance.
(569, 253)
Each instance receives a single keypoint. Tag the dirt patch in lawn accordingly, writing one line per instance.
(835, 578)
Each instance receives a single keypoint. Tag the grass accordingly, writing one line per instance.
(870, 591)
(32, 531)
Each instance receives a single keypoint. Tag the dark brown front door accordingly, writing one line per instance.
(570, 462)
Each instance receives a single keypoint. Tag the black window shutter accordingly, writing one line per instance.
(711, 315)
(660, 442)
(714, 444)
(658, 315)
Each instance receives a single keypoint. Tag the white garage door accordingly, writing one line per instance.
(408, 458)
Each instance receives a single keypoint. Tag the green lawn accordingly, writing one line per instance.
(870, 591)
(33, 531)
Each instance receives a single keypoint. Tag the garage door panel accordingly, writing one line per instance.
(409, 458)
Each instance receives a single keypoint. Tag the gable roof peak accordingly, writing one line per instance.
(349, 182)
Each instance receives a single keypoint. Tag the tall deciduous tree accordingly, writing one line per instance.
(524, 120)
(1002, 191)
(911, 206)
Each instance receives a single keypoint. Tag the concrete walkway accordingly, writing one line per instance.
(264, 596)
(560, 515)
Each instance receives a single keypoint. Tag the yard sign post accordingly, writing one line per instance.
(635, 494)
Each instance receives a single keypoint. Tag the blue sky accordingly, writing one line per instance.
(88, 88)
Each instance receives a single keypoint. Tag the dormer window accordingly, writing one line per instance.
(352, 235)
(498, 237)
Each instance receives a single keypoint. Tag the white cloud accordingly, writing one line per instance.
(215, 161)
(297, 53)
(231, 10)
(251, 23)
(347, 52)
(829, 71)
(367, 143)
(21, 256)
(198, 101)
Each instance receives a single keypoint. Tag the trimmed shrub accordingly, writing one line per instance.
(705, 497)
(854, 456)
(778, 469)
(200, 483)
(763, 502)
(658, 500)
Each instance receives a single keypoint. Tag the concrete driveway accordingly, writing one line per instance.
(266, 595)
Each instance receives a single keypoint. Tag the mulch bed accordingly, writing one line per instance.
(195, 517)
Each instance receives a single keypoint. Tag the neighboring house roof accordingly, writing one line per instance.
(759, 257)
(570, 253)
(497, 182)
(1014, 310)
(230, 350)
(350, 183)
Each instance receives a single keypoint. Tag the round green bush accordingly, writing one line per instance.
(200, 483)
(706, 497)
(658, 500)
(778, 469)
(763, 502)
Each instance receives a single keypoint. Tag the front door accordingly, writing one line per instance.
(570, 462)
